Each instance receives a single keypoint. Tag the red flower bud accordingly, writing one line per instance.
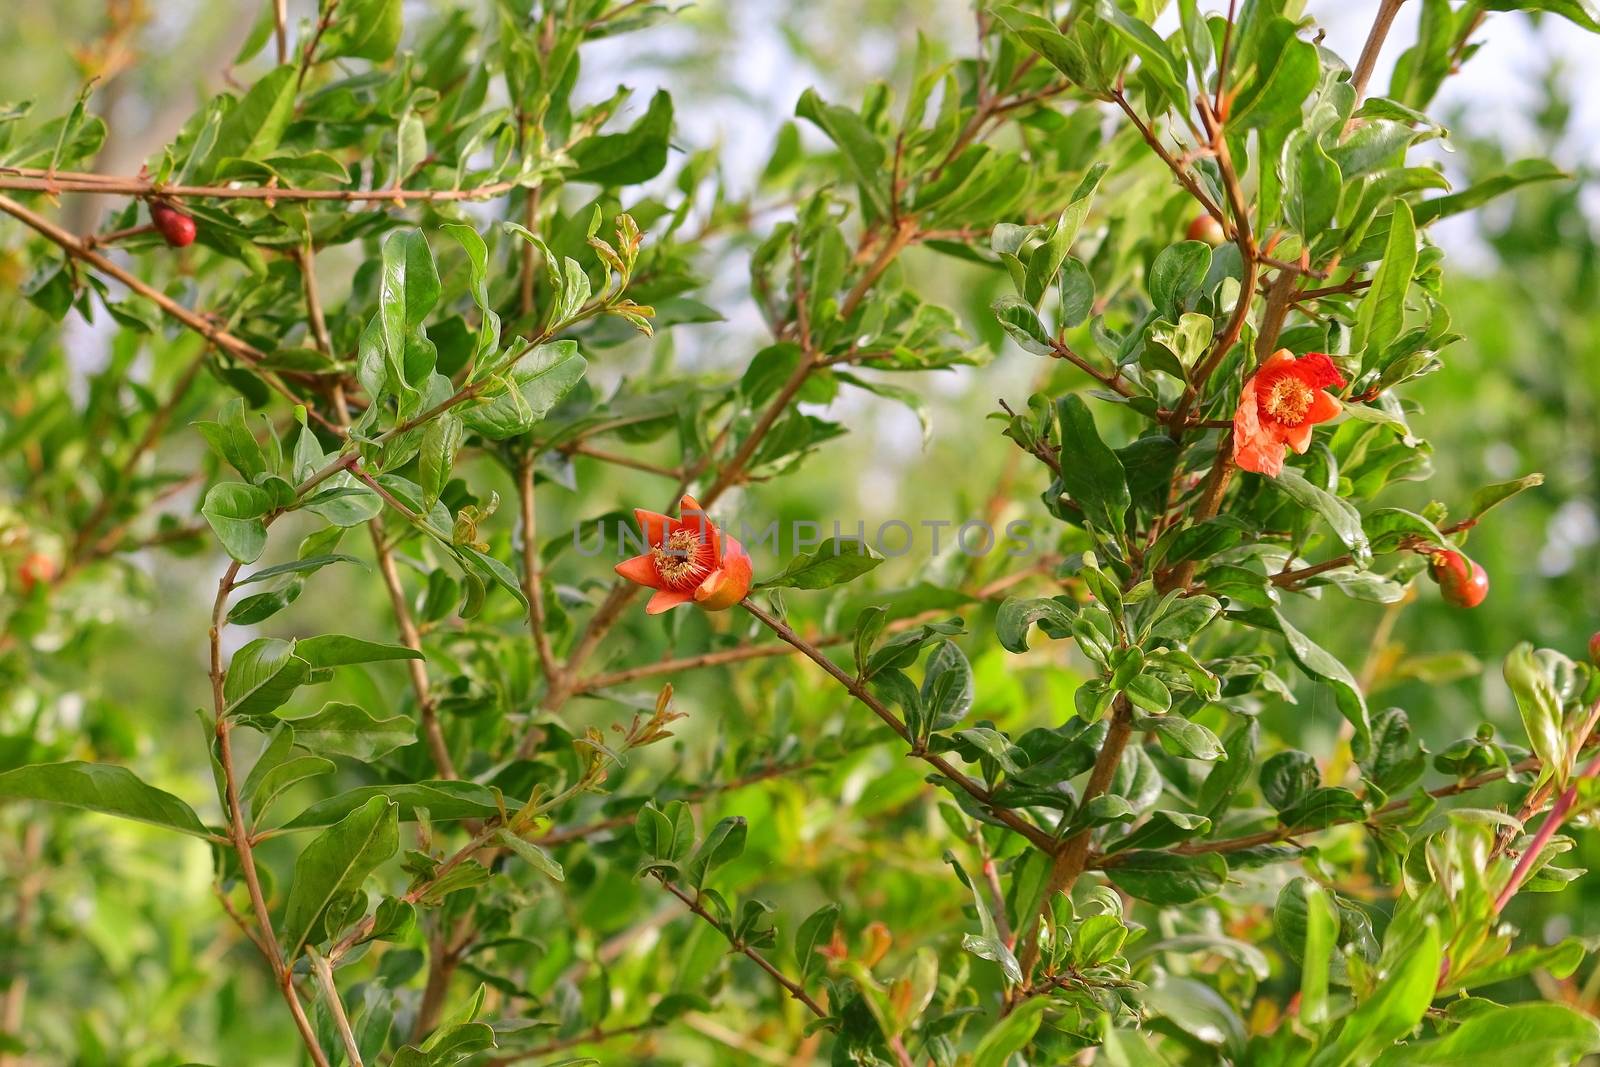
(1594, 648)
(37, 568)
(174, 225)
(1462, 582)
(1207, 229)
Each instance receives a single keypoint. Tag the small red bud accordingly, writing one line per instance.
(174, 225)
(38, 568)
(1462, 582)
(1207, 229)
(1594, 648)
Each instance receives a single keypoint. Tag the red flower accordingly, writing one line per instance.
(690, 561)
(1278, 407)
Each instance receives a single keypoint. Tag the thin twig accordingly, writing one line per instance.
(1387, 10)
(330, 995)
(34, 180)
(795, 989)
(857, 689)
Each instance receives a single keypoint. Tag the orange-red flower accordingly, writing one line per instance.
(690, 561)
(1278, 407)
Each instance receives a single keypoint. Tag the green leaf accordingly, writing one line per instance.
(437, 455)
(1041, 35)
(410, 289)
(636, 155)
(101, 787)
(1313, 186)
(1393, 1009)
(947, 686)
(230, 438)
(1523, 172)
(262, 676)
(234, 512)
(309, 565)
(1161, 830)
(1540, 706)
(1492, 496)
(538, 382)
(348, 730)
(1168, 877)
(1077, 293)
(1189, 738)
(1156, 58)
(862, 151)
(1091, 473)
(533, 855)
(724, 843)
(1010, 1034)
(1288, 776)
(1200, 1011)
(1047, 259)
(336, 650)
(1338, 512)
(1382, 312)
(814, 934)
(363, 29)
(442, 800)
(1532, 1035)
(1316, 961)
(1021, 323)
(836, 561)
(253, 127)
(1017, 614)
(1317, 662)
(988, 945)
(336, 862)
(1176, 276)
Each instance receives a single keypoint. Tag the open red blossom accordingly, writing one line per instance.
(690, 561)
(1278, 407)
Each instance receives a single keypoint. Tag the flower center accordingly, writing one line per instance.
(1288, 399)
(683, 559)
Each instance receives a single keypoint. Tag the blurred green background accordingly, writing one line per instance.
(141, 968)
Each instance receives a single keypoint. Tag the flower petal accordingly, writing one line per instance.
(691, 516)
(1261, 456)
(641, 569)
(1318, 371)
(1324, 406)
(652, 525)
(728, 584)
(666, 600)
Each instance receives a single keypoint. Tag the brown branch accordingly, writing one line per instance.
(564, 835)
(593, 1036)
(1071, 856)
(858, 689)
(742, 653)
(239, 834)
(1387, 10)
(1179, 170)
(532, 582)
(30, 878)
(579, 448)
(35, 180)
(330, 995)
(795, 989)
(76, 248)
(427, 706)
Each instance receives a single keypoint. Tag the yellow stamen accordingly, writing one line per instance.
(680, 559)
(1288, 400)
